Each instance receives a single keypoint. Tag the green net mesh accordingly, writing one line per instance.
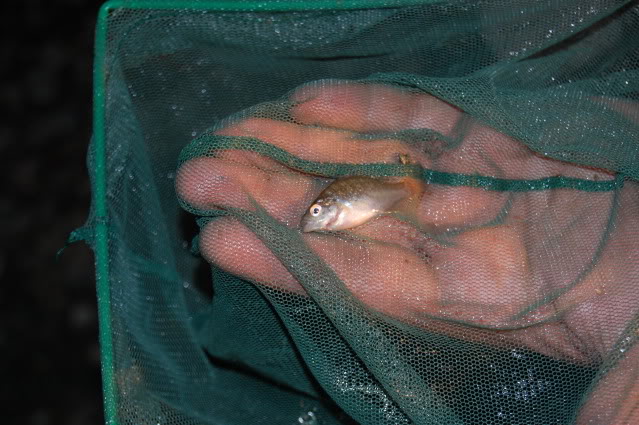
(509, 295)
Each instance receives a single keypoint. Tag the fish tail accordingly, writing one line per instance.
(416, 187)
(407, 208)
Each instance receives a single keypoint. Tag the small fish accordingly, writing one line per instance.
(351, 201)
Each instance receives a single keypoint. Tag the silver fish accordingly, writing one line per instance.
(351, 201)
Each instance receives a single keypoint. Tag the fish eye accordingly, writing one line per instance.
(315, 210)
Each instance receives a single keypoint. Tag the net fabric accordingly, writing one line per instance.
(508, 299)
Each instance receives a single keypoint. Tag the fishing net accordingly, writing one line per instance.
(510, 296)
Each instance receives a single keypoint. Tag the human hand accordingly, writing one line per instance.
(490, 259)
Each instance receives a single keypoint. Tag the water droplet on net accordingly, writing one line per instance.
(307, 418)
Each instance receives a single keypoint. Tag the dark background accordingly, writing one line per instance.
(48, 316)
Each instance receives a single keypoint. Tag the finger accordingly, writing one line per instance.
(232, 247)
(487, 151)
(386, 277)
(374, 273)
(206, 183)
(253, 159)
(396, 230)
(371, 107)
(375, 107)
(318, 144)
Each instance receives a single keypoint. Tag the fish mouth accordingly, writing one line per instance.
(309, 226)
(306, 225)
